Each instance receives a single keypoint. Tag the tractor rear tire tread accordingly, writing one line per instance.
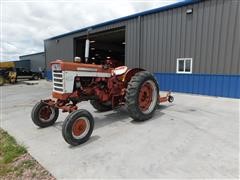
(132, 94)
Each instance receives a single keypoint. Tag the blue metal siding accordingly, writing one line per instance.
(48, 75)
(205, 84)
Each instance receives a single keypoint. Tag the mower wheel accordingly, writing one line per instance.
(101, 107)
(44, 115)
(142, 96)
(170, 99)
(77, 127)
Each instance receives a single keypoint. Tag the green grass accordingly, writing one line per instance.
(9, 151)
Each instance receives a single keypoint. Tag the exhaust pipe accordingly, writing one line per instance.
(87, 44)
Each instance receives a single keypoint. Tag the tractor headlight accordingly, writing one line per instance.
(56, 67)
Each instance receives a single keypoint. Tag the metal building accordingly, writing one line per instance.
(191, 46)
(23, 64)
(36, 61)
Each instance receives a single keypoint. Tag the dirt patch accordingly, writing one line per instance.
(25, 167)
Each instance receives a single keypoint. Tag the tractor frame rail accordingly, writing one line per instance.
(64, 106)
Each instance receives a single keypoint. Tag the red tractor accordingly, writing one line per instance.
(106, 87)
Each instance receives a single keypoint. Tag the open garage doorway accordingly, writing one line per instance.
(103, 46)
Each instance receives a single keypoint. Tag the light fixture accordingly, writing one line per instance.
(93, 57)
(123, 42)
(189, 11)
(92, 41)
(108, 57)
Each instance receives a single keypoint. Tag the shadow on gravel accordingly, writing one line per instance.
(114, 116)
(92, 139)
(161, 107)
(58, 125)
(158, 113)
(111, 117)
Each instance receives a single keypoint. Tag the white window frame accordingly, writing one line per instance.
(184, 59)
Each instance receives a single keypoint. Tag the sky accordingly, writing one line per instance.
(26, 23)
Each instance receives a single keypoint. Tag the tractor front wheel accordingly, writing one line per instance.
(142, 96)
(77, 127)
(44, 115)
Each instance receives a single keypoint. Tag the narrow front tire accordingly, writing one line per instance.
(44, 115)
(78, 127)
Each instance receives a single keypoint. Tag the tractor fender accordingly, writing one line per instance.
(130, 73)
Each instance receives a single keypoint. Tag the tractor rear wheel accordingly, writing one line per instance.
(101, 107)
(43, 115)
(142, 96)
(77, 127)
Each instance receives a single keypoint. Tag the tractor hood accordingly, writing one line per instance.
(72, 66)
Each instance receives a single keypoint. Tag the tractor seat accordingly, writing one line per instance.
(120, 70)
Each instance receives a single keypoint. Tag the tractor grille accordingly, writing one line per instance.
(58, 81)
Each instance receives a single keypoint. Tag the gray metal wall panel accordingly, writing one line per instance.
(37, 61)
(164, 41)
(26, 64)
(178, 36)
(155, 44)
(216, 37)
(229, 38)
(174, 38)
(235, 53)
(206, 36)
(159, 38)
(223, 36)
(132, 43)
(210, 42)
(210, 36)
(187, 34)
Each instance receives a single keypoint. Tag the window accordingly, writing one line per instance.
(184, 65)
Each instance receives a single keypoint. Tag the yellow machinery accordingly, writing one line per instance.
(7, 72)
